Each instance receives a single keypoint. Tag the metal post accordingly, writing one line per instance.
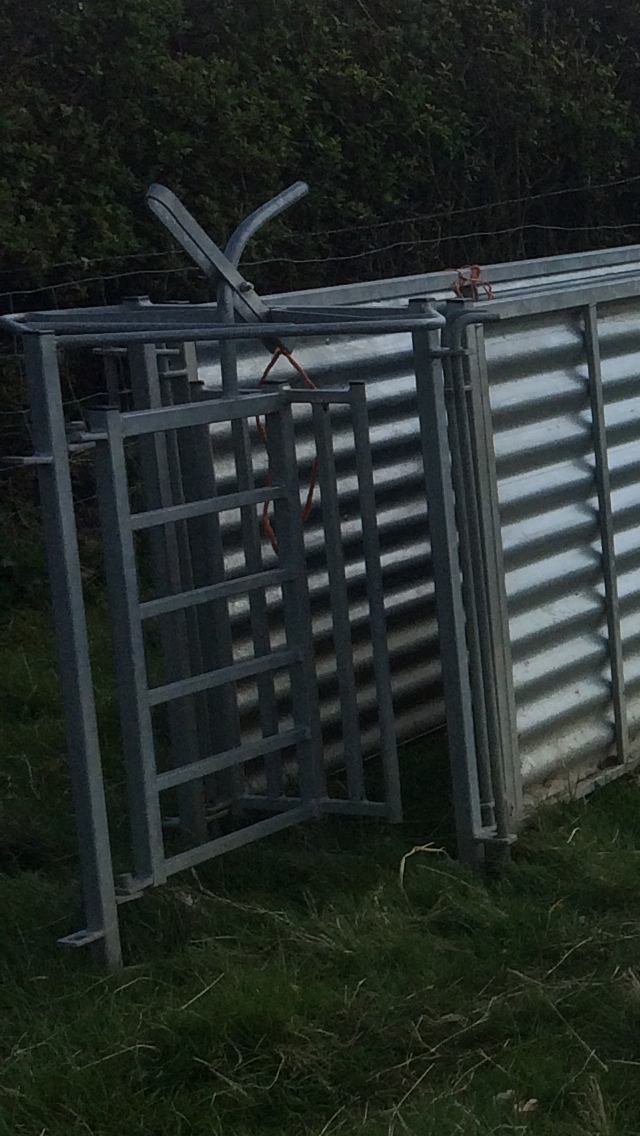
(143, 366)
(339, 603)
(448, 587)
(482, 585)
(295, 597)
(129, 651)
(251, 542)
(607, 536)
(50, 442)
(487, 798)
(375, 591)
(482, 426)
(172, 393)
(213, 627)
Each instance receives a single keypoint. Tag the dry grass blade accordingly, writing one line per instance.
(430, 848)
(201, 993)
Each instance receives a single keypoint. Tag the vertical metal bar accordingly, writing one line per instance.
(143, 366)
(481, 587)
(49, 438)
(112, 377)
(269, 721)
(375, 592)
(173, 391)
(339, 603)
(295, 596)
(487, 799)
(605, 518)
(241, 441)
(207, 563)
(128, 643)
(483, 427)
(449, 605)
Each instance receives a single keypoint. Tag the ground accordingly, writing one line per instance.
(300, 987)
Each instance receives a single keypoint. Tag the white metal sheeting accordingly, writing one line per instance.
(385, 363)
(545, 463)
(538, 376)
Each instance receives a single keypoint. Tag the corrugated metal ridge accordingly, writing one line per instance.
(544, 454)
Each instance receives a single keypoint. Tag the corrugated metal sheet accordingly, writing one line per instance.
(544, 453)
(385, 363)
(540, 402)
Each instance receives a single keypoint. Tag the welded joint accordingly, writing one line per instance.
(130, 887)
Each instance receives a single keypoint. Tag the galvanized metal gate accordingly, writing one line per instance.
(218, 695)
(184, 733)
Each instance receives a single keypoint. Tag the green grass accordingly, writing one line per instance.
(294, 987)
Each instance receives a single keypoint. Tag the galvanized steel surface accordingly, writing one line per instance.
(385, 362)
(547, 488)
(547, 491)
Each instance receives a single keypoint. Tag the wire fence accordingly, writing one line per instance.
(167, 275)
(440, 215)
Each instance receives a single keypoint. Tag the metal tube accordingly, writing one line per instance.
(246, 229)
(174, 392)
(481, 588)
(449, 602)
(137, 422)
(129, 651)
(339, 601)
(248, 668)
(483, 433)
(224, 590)
(607, 532)
(295, 597)
(375, 591)
(157, 318)
(191, 509)
(213, 627)
(165, 562)
(267, 701)
(58, 521)
(195, 856)
(248, 751)
(487, 802)
(163, 334)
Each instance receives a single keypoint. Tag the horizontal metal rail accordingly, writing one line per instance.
(246, 752)
(277, 660)
(238, 587)
(153, 517)
(232, 840)
(331, 805)
(193, 333)
(138, 422)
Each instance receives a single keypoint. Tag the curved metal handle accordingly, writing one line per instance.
(246, 229)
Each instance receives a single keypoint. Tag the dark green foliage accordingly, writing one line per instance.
(389, 111)
(433, 133)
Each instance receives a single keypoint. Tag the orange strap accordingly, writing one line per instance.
(280, 353)
(468, 287)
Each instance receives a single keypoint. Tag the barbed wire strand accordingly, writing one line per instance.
(442, 214)
(445, 214)
(414, 243)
